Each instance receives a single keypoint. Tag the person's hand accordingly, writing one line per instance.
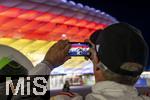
(58, 53)
(93, 54)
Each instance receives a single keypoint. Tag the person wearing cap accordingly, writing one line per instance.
(119, 55)
(12, 64)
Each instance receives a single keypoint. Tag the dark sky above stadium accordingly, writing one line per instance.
(134, 12)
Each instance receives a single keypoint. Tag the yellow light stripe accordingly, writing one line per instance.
(20, 44)
(36, 50)
(6, 41)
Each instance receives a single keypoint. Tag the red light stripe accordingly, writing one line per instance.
(35, 25)
(32, 14)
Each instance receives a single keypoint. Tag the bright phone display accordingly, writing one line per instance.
(79, 49)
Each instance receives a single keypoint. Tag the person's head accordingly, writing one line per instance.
(122, 53)
(13, 63)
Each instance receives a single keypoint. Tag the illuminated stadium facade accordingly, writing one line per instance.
(32, 26)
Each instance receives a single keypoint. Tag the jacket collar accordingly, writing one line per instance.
(113, 89)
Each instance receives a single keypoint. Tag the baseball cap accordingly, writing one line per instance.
(120, 43)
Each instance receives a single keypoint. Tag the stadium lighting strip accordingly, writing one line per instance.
(38, 26)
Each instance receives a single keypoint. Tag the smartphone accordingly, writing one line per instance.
(79, 49)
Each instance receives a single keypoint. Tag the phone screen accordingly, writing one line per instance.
(79, 49)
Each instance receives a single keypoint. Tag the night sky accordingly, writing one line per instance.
(136, 13)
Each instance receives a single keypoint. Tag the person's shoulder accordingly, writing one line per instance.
(40, 69)
(145, 97)
(66, 97)
(93, 96)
